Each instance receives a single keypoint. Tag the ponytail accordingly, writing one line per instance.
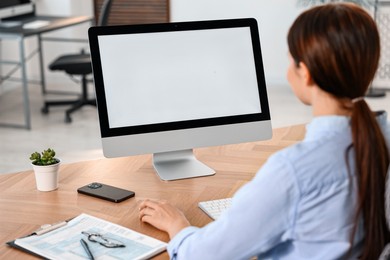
(372, 162)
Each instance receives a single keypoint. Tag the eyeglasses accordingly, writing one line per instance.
(104, 241)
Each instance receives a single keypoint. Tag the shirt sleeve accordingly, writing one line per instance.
(262, 215)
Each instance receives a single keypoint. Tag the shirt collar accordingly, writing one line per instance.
(326, 126)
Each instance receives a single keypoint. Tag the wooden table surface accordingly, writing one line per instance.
(23, 208)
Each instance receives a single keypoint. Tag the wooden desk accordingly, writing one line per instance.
(23, 208)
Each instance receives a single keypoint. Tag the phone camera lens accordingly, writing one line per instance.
(94, 185)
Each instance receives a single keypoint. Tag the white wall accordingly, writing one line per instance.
(274, 19)
(64, 7)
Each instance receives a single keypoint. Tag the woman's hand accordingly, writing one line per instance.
(163, 215)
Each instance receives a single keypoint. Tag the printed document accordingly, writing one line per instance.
(64, 242)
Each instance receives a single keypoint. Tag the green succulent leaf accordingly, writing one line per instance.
(44, 158)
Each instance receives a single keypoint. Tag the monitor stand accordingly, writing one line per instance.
(179, 165)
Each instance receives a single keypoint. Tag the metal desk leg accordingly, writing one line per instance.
(26, 101)
(40, 51)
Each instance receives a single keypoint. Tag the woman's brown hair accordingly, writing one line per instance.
(339, 44)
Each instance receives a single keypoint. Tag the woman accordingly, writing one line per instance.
(324, 197)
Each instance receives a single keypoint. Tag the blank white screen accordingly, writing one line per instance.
(163, 77)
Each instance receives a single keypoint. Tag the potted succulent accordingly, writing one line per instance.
(46, 168)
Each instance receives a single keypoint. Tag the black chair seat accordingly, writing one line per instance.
(72, 64)
(75, 64)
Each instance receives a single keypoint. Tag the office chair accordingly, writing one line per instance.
(77, 65)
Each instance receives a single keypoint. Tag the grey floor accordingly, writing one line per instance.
(80, 140)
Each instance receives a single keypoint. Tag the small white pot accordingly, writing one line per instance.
(46, 177)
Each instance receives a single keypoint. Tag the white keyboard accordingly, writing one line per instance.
(214, 208)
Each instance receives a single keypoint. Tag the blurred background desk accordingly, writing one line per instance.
(23, 208)
(19, 33)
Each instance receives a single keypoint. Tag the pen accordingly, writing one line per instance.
(86, 248)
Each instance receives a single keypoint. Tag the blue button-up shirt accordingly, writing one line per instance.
(300, 205)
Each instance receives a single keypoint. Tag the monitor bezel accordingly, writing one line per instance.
(106, 131)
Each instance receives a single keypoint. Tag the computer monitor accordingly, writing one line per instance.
(168, 88)
(13, 8)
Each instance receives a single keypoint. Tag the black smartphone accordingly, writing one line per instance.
(106, 192)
